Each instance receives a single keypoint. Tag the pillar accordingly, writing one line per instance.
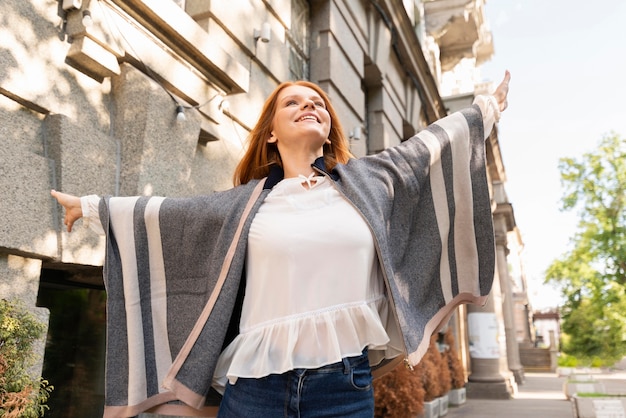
(492, 331)
(490, 377)
(508, 304)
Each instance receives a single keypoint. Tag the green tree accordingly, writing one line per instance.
(592, 275)
(21, 395)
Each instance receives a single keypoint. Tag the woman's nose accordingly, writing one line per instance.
(308, 103)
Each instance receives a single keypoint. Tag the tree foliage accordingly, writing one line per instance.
(592, 275)
(21, 395)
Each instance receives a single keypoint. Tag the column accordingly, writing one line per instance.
(502, 220)
(490, 377)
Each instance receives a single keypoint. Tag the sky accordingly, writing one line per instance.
(567, 60)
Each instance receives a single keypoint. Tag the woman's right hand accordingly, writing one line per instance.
(72, 206)
(502, 91)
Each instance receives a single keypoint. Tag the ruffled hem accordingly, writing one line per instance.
(311, 341)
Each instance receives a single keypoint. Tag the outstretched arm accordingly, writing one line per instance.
(72, 206)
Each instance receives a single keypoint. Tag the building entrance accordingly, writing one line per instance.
(75, 345)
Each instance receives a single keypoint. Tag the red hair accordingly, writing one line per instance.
(261, 155)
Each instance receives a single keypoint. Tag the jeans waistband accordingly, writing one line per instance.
(347, 363)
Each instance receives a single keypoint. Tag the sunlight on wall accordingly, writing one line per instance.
(22, 279)
(46, 244)
(27, 266)
(91, 255)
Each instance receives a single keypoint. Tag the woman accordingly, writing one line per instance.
(284, 292)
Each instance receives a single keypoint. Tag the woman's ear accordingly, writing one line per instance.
(272, 139)
(328, 141)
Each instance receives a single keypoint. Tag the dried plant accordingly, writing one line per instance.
(442, 363)
(430, 370)
(398, 394)
(402, 393)
(457, 373)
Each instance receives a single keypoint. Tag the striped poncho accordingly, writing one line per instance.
(174, 267)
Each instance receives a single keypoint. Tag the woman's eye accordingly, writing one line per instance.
(320, 104)
(291, 102)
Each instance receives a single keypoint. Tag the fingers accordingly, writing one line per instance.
(68, 220)
(68, 224)
(503, 87)
(60, 197)
(507, 77)
(502, 91)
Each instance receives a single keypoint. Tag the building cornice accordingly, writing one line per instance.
(160, 39)
(176, 29)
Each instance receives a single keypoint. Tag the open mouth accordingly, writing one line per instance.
(307, 117)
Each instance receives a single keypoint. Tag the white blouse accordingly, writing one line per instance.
(314, 290)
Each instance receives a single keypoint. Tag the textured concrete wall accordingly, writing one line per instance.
(26, 223)
(156, 149)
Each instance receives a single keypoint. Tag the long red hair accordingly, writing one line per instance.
(261, 155)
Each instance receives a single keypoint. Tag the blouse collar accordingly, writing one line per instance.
(276, 173)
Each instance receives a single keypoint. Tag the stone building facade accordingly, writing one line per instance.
(142, 97)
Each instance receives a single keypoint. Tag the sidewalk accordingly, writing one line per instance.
(540, 396)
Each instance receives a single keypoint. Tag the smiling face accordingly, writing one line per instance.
(261, 155)
(301, 121)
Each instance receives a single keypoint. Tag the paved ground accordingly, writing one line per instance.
(540, 396)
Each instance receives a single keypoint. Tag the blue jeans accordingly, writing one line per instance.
(342, 389)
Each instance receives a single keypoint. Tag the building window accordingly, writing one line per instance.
(298, 40)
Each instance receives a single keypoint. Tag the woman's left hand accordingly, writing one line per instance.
(73, 208)
(502, 91)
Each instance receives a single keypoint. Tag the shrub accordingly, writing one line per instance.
(402, 392)
(567, 360)
(435, 377)
(21, 395)
(598, 362)
(600, 395)
(398, 394)
(457, 373)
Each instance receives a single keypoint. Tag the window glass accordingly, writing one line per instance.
(298, 40)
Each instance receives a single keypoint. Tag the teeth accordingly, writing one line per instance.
(307, 118)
